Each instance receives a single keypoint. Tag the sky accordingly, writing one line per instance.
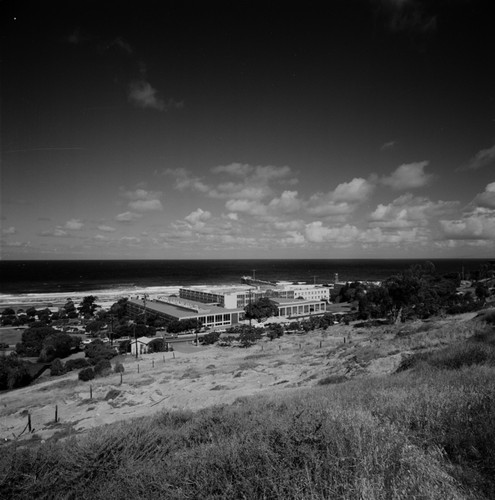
(260, 129)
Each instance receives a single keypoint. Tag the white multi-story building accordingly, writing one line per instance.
(296, 291)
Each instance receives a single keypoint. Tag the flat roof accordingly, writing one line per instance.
(218, 288)
(295, 302)
(183, 312)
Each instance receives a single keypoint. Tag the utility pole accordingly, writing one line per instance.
(145, 298)
(254, 274)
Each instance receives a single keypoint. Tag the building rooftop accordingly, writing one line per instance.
(186, 309)
(294, 302)
(218, 289)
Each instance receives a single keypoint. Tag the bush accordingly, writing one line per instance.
(103, 367)
(86, 374)
(13, 373)
(76, 364)
(210, 338)
(97, 351)
(57, 368)
(118, 368)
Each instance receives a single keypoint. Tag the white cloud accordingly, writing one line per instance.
(409, 211)
(246, 206)
(185, 180)
(130, 240)
(143, 95)
(286, 204)
(146, 205)
(292, 238)
(357, 190)
(9, 230)
(343, 200)
(74, 225)
(481, 159)
(316, 232)
(198, 217)
(388, 145)
(478, 220)
(57, 232)
(408, 176)
(106, 229)
(127, 217)
(143, 200)
(487, 197)
(480, 226)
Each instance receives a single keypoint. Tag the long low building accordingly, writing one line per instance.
(214, 316)
(299, 308)
(173, 309)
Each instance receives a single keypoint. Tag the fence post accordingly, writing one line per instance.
(174, 354)
(120, 378)
(90, 391)
(152, 363)
(29, 422)
(56, 413)
(320, 344)
(138, 367)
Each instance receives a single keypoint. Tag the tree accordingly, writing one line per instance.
(13, 373)
(261, 309)
(8, 311)
(58, 345)
(481, 292)
(32, 340)
(119, 309)
(249, 336)
(94, 327)
(88, 306)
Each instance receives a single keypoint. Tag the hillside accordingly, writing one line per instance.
(327, 420)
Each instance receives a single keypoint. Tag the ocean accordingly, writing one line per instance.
(54, 281)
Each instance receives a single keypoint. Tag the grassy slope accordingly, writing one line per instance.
(426, 432)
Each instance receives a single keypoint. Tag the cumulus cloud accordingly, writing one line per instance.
(478, 220)
(74, 225)
(146, 205)
(409, 211)
(198, 217)
(343, 200)
(477, 226)
(186, 180)
(316, 232)
(387, 145)
(487, 197)
(127, 217)
(287, 203)
(106, 229)
(143, 200)
(143, 95)
(10, 230)
(481, 159)
(408, 176)
(57, 233)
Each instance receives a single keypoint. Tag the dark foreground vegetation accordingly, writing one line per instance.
(427, 432)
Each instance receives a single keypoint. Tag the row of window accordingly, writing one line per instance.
(302, 309)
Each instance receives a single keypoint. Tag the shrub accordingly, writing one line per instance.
(210, 338)
(13, 373)
(118, 368)
(98, 350)
(76, 364)
(103, 367)
(57, 368)
(86, 374)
